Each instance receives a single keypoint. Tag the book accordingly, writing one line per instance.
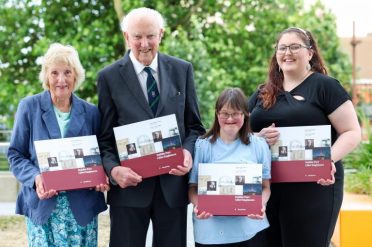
(70, 163)
(151, 147)
(230, 189)
(302, 154)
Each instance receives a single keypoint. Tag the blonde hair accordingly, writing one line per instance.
(65, 54)
(140, 12)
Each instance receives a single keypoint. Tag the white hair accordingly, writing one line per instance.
(65, 54)
(142, 12)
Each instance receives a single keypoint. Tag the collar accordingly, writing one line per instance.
(138, 67)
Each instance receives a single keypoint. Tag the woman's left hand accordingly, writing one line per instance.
(326, 182)
(201, 215)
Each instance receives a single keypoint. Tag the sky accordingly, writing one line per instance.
(347, 11)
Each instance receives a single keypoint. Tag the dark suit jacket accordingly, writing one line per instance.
(122, 101)
(36, 120)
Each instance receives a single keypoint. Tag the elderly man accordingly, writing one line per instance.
(125, 97)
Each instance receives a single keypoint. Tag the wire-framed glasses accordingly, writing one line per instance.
(226, 115)
(293, 48)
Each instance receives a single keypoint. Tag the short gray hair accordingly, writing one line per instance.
(65, 54)
(135, 13)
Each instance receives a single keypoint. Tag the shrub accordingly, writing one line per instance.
(360, 162)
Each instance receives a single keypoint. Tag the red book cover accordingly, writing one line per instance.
(70, 163)
(302, 154)
(151, 147)
(230, 189)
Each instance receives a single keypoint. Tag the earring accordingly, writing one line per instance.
(279, 69)
(308, 66)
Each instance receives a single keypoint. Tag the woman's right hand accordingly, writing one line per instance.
(258, 216)
(270, 134)
(203, 215)
(103, 187)
(41, 193)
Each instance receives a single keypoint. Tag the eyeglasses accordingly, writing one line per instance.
(234, 115)
(293, 48)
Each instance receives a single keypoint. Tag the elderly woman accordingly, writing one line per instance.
(66, 218)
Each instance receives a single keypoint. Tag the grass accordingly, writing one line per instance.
(359, 182)
(3, 163)
(13, 231)
(9, 222)
(360, 160)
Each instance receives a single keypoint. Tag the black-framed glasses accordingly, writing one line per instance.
(293, 48)
(226, 115)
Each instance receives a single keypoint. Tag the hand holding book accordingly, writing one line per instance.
(103, 187)
(270, 134)
(326, 182)
(302, 154)
(150, 148)
(258, 216)
(187, 165)
(125, 176)
(202, 215)
(40, 191)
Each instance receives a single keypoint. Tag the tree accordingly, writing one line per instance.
(228, 42)
(27, 30)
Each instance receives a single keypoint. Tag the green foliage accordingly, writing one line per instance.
(360, 161)
(228, 42)
(27, 30)
(3, 162)
(8, 222)
(361, 156)
(359, 182)
(322, 24)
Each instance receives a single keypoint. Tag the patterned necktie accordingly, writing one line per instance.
(152, 90)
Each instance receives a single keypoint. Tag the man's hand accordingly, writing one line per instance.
(186, 167)
(125, 176)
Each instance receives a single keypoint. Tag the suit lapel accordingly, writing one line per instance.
(129, 75)
(164, 81)
(49, 117)
(77, 120)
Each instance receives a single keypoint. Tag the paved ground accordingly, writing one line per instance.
(7, 209)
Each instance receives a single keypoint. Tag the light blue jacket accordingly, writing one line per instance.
(36, 120)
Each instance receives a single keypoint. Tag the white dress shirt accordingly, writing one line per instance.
(142, 75)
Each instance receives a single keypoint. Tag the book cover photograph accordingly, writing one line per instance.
(230, 189)
(70, 163)
(151, 147)
(302, 154)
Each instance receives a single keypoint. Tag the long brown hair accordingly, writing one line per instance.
(271, 88)
(235, 99)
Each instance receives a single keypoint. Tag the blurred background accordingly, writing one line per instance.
(229, 43)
